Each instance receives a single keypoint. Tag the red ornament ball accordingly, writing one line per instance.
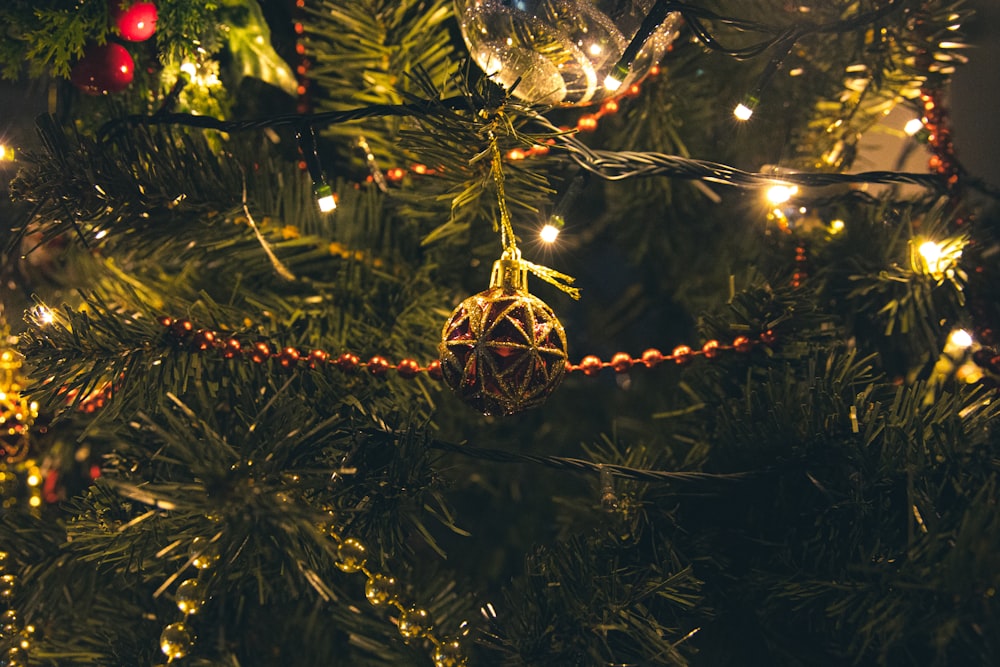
(137, 22)
(503, 351)
(103, 69)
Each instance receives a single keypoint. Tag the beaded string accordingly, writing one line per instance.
(185, 333)
(15, 637)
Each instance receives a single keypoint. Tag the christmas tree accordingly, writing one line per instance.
(495, 333)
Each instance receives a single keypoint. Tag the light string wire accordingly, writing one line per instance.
(608, 165)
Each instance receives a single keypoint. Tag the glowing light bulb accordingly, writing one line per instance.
(43, 315)
(325, 198)
(960, 338)
(837, 226)
(742, 112)
(931, 252)
(913, 126)
(189, 68)
(779, 194)
(327, 203)
(611, 83)
(549, 233)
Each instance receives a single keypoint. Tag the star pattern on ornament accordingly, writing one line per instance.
(503, 351)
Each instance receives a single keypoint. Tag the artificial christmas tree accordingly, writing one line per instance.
(764, 434)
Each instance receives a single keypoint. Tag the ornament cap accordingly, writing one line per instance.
(509, 272)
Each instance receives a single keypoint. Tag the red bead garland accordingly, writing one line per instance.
(184, 334)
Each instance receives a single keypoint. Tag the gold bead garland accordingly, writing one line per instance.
(177, 639)
(15, 637)
(381, 589)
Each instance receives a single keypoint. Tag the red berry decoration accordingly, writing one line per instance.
(136, 23)
(103, 69)
(503, 350)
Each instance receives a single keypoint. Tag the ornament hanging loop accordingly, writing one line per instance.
(509, 272)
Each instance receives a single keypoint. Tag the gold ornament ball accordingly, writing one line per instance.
(449, 654)
(414, 623)
(188, 597)
(204, 553)
(351, 555)
(503, 351)
(380, 589)
(176, 641)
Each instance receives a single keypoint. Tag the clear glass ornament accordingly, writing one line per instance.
(562, 50)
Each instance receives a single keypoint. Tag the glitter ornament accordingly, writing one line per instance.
(503, 350)
(563, 51)
(188, 597)
(176, 641)
(103, 69)
(136, 23)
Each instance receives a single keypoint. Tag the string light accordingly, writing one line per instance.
(43, 315)
(612, 83)
(742, 112)
(937, 259)
(781, 193)
(324, 197)
(837, 226)
(913, 126)
(960, 338)
(549, 233)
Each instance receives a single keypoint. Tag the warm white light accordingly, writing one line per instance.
(611, 83)
(931, 252)
(595, 49)
(549, 233)
(913, 126)
(742, 112)
(951, 45)
(101, 234)
(960, 338)
(189, 68)
(3, 152)
(43, 315)
(936, 259)
(327, 203)
(779, 194)
(837, 226)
